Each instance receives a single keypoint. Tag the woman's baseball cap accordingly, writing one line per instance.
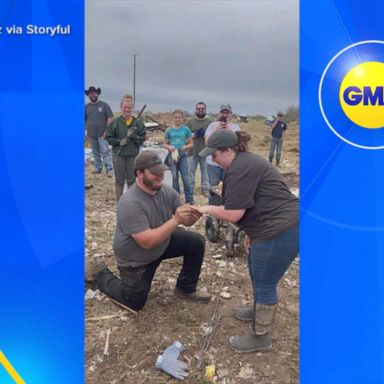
(224, 138)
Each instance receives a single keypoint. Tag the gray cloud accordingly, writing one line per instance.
(242, 52)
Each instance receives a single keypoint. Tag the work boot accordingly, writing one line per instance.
(244, 313)
(250, 343)
(93, 268)
(277, 163)
(264, 318)
(203, 297)
(119, 191)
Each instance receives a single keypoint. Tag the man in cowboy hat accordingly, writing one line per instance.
(98, 115)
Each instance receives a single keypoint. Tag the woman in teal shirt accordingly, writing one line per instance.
(178, 140)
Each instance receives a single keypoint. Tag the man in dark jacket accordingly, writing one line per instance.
(277, 133)
(126, 134)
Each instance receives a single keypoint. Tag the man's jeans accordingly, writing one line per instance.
(267, 263)
(193, 162)
(276, 144)
(215, 174)
(182, 167)
(100, 149)
(133, 287)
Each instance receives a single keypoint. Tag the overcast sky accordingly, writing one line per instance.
(241, 52)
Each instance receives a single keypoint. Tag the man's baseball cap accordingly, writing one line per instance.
(225, 107)
(150, 160)
(224, 138)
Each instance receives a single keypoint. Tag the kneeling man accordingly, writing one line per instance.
(147, 232)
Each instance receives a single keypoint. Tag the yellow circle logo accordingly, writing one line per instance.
(361, 95)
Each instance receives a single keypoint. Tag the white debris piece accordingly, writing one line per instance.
(90, 294)
(246, 372)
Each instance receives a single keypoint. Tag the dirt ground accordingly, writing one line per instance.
(122, 347)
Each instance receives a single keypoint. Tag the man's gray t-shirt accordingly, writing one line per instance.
(198, 128)
(96, 117)
(138, 211)
(253, 184)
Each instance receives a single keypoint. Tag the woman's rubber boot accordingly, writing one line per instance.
(250, 343)
(244, 313)
(264, 318)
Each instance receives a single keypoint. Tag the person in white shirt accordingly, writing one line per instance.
(215, 172)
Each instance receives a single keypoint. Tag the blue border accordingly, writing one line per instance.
(42, 203)
(342, 214)
(42, 193)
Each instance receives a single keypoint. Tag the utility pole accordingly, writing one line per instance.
(134, 81)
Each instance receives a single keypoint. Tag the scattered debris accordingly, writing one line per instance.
(246, 372)
(223, 372)
(106, 347)
(169, 363)
(90, 294)
(123, 306)
(210, 371)
(207, 329)
(105, 317)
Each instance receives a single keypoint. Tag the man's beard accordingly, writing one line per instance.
(200, 114)
(150, 184)
(93, 99)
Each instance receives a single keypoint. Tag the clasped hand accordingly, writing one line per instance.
(187, 215)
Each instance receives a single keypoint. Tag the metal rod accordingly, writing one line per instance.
(214, 320)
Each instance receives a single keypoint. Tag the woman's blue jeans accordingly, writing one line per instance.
(267, 263)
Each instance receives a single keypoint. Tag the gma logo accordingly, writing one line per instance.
(367, 95)
(361, 95)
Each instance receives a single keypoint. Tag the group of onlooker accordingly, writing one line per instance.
(184, 141)
(126, 134)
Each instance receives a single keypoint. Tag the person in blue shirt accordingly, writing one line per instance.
(178, 140)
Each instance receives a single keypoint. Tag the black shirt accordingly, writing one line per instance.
(278, 129)
(253, 184)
